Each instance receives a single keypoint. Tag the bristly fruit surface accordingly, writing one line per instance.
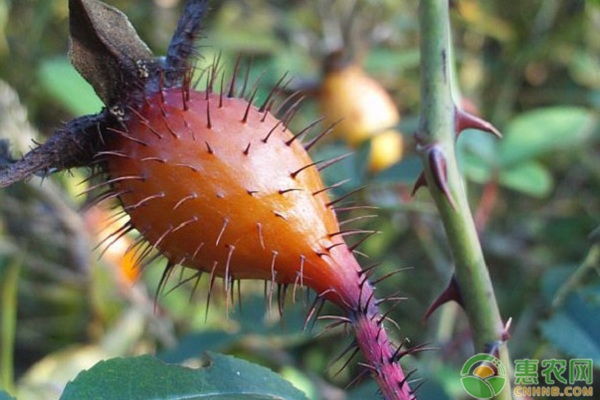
(218, 185)
(221, 186)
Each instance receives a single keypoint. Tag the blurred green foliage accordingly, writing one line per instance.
(531, 68)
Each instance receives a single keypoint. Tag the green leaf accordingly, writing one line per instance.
(145, 377)
(530, 178)
(63, 83)
(195, 344)
(574, 329)
(476, 168)
(5, 396)
(540, 131)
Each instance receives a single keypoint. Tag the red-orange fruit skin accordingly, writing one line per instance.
(221, 189)
(217, 185)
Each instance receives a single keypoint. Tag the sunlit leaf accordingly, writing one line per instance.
(531, 178)
(222, 377)
(62, 82)
(538, 132)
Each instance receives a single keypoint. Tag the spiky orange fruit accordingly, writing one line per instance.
(218, 185)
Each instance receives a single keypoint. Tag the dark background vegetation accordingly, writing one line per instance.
(530, 67)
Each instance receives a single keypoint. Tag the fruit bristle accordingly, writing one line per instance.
(275, 89)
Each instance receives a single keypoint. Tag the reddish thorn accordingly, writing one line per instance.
(210, 289)
(421, 182)
(230, 93)
(284, 191)
(291, 113)
(208, 120)
(164, 278)
(266, 138)
(333, 202)
(272, 92)
(316, 307)
(249, 105)
(247, 150)
(451, 293)
(320, 136)
(389, 274)
(349, 232)
(437, 163)
(285, 104)
(326, 164)
(400, 352)
(368, 270)
(303, 131)
(328, 248)
(355, 351)
(334, 186)
(465, 120)
(221, 91)
(281, 295)
(246, 78)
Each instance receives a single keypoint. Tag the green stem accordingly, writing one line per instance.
(591, 261)
(9, 276)
(437, 128)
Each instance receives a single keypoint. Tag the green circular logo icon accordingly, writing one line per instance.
(483, 376)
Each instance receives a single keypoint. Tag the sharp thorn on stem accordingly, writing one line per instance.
(451, 293)
(464, 120)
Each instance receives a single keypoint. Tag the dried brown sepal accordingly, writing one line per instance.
(182, 49)
(105, 48)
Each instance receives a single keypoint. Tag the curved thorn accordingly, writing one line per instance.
(437, 164)
(464, 120)
(451, 293)
(420, 182)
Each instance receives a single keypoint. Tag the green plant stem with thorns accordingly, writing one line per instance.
(436, 138)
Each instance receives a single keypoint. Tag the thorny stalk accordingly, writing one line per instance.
(438, 128)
